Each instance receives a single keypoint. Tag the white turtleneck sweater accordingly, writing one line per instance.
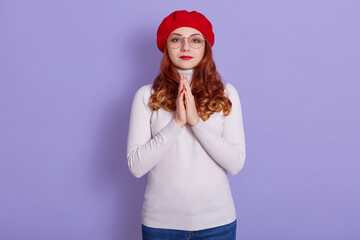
(188, 186)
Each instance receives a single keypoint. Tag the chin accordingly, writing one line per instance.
(186, 66)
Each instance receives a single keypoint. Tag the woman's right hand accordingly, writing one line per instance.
(180, 115)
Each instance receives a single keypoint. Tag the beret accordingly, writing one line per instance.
(183, 18)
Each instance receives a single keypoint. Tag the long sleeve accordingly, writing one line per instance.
(144, 152)
(228, 150)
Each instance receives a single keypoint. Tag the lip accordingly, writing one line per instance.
(186, 57)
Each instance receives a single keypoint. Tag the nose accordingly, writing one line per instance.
(185, 45)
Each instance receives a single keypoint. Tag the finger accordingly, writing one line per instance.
(183, 86)
(180, 85)
(187, 85)
(184, 102)
(184, 83)
(181, 97)
(186, 94)
(187, 98)
(187, 81)
(183, 77)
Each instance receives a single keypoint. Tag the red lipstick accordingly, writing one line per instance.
(186, 57)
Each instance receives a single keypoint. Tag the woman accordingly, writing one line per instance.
(186, 131)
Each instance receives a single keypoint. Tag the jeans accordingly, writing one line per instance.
(224, 232)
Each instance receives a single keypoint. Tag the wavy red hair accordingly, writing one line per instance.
(207, 87)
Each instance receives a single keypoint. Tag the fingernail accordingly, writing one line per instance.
(182, 90)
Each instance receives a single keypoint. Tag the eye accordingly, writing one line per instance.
(196, 39)
(174, 39)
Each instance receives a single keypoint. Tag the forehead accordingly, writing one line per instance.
(186, 31)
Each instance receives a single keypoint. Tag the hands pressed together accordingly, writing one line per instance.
(185, 105)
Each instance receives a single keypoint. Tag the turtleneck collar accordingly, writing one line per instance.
(188, 72)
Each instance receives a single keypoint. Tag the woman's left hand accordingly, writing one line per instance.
(192, 116)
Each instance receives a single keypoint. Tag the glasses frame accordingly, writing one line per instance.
(183, 41)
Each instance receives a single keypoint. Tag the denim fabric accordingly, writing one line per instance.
(224, 232)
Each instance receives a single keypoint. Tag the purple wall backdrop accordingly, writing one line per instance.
(68, 73)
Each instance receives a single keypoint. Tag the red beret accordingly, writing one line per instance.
(183, 18)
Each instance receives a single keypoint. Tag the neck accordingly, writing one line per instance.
(188, 72)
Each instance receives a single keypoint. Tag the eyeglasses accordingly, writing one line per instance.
(176, 41)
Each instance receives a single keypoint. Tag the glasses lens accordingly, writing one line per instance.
(174, 41)
(195, 41)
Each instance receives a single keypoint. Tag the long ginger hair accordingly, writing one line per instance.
(206, 87)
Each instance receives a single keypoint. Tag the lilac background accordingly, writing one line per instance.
(69, 71)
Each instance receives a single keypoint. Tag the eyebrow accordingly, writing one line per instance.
(190, 35)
